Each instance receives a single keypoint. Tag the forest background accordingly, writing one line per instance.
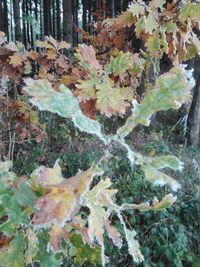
(40, 39)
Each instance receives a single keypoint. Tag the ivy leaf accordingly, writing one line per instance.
(166, 202)
(158, 178)
(14, 255)
(62, 201)
(62, 103)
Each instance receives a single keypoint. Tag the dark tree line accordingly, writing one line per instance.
(27, 20)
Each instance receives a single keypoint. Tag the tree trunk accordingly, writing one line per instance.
(84, 15)
(194, 116)
(58, 20)
(67, 21)
(75, 22)
(46, 6)
(16, 12)
(24, 24)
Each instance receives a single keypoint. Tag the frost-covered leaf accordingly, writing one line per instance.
(137, 8)
(154, 4)
(32, 246)
(47, 176)
(96, 199)
(150, 23)
(166, 202)
(63, 103)
(14, 255)
(159, 178)
(7, 178)
(190, 11)
(62, 200)
(161, 162)
(113, 234)
(134, 247)
(57, 234)
(171, 90)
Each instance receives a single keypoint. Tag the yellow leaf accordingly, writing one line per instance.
(16, 60)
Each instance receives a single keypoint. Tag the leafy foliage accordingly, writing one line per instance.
(45, 213)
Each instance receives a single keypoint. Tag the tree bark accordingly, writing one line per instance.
(58, 20)
(75, 22)
(67, 21)
(194, 116)
(16, 12)
(46, 6)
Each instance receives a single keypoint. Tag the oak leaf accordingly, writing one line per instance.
(16, 60)
(62, 200)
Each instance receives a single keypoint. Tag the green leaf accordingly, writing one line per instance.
(109, 99)
(166, 202)
(150, 23)
(171, 90)
(25, 195)
(137, 8)
(119, 64)
(161, 162)
(158, 178)
(62, 103)
(16, 216)
(6, 177)
(190, 11)
(62, 200)
(45, 256)
(153, 44)
(85, 253)
(14, 256)
(87, 89)
(32, 246)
